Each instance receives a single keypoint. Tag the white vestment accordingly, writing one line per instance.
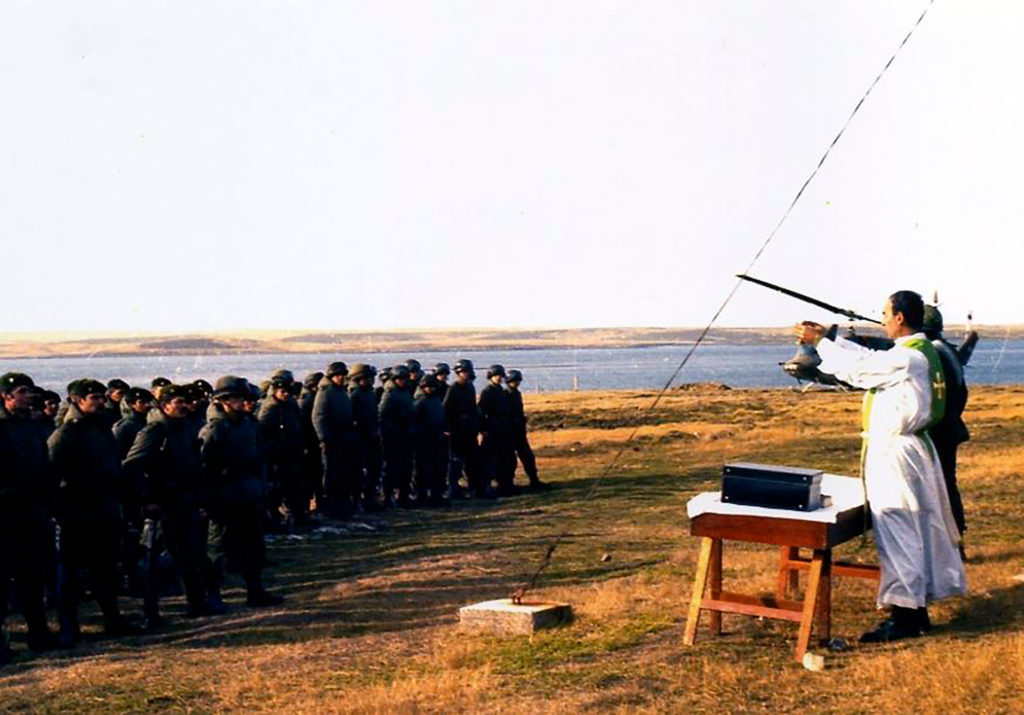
(914, 528)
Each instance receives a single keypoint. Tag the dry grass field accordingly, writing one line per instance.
(370, 623)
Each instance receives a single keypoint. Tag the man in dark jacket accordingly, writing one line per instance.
(415, 375)
(87, 468)
(116, 391)
(25, 494)
(430, 444)
(165, 459)
(312, 464)
(284, 445)
(198, 395)
(364, 412)
(463, 420)
(496, 427)
(385, 377)
(951, 431)
(335, 427)
(48, 418)
(140, 402)
(395, 431)
(442, 372)
(520, 441)
(235, 470)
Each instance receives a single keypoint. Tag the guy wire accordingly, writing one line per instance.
(553, 546)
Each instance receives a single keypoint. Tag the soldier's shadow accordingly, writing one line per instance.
(988, 612)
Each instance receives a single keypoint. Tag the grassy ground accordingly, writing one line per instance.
(370, 623)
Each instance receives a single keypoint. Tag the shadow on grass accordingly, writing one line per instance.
(988, 612)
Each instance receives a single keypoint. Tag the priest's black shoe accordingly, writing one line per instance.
(901, 623)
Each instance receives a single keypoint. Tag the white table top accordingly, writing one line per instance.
(846, 492)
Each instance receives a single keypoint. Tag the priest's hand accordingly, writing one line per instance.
(808, 333)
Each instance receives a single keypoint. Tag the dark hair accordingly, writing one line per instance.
(911, 305)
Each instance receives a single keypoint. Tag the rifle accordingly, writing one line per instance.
(808, 299)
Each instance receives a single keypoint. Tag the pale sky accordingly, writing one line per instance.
(182, 166)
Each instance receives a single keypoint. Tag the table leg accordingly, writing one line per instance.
(811, 601)
(789, 579)
(716, 584)
(825, 596)
(700, 580)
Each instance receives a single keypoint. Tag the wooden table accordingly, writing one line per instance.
(820, 531)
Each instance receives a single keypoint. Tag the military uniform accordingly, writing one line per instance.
(463, 421)
(165, 455)
(396, 408)
(312, 464)
(126, 429)
(235, 470)
(950, 432)
(367, 420)
(520, 440)
(26, 533)
(334, 423)
(87, 467)
(429, 442)
(284, 443)
(496, 425)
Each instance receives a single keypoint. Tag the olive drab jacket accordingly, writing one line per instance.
(396, 409)
(951, 428)
(87, 468)
(460, 409)
(364, 411)
(517, 413)
(428, 424)
(332, 412)
(495, 411)
(25, 481)
(280, 425)
(165, 458)
(126, 429)
(232, 458)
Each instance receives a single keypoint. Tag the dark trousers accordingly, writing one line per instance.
(947, 458)
(288, 485)
(521, 444)
(24, 540)
(87, 545)
(500, 459)
(465, 457)
(431, 464)
(236, 538)
(342, 472)
(183, 531)
(370, 464)
(397, 465)
(313, 471)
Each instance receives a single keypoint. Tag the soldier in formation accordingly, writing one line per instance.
(108, 484)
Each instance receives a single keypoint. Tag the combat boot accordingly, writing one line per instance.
(259, 597)
(195, 597)
(116, 625)
(214, 603)
(69, 633)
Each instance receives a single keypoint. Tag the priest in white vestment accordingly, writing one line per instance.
(914, 528)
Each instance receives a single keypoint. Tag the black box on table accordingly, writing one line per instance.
(771, 485)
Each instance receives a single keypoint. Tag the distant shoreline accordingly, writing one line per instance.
(24, 346)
